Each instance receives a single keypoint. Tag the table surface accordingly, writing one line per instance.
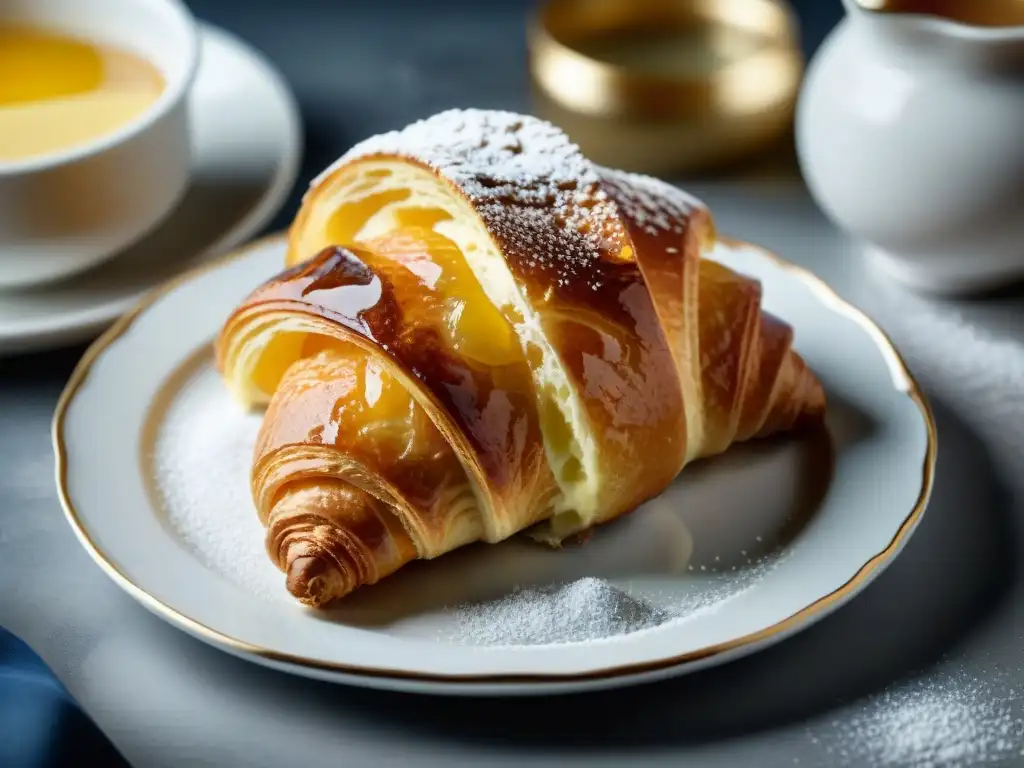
(924, 668)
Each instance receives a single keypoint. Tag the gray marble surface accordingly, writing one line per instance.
(925, 668)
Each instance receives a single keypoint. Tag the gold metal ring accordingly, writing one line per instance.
(666, 85)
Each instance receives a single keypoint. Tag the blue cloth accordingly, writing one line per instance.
(41, 726)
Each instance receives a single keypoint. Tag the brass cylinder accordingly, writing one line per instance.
(665, 86)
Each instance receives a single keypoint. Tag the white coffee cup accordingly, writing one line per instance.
(66, 211)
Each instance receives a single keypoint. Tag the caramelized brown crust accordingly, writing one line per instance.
(483, 412)
(384, 443)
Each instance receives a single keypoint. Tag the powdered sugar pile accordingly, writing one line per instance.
(943, 721)
(201, 462)
(586, 609)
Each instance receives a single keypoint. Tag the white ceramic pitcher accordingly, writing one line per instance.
(910, 131)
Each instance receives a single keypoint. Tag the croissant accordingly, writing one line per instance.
(481, 333)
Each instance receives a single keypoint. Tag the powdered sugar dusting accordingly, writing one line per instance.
(584, 610)
(201, 461)
(536, 192)
(943, 721)
(491, 154)
(717, 587)
(545, 203)
(651, 203)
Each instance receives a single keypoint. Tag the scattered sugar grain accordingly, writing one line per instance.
(585, 610)
(949, 719)
(202, 460)
(715, 588)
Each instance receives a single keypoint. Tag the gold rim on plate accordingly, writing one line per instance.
(907, 385)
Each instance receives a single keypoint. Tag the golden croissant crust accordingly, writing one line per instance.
(481, 333)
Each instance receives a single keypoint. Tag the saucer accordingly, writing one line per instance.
(247, 145)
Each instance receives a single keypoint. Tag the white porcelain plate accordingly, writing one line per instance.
(246, 145)
(742, 551)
